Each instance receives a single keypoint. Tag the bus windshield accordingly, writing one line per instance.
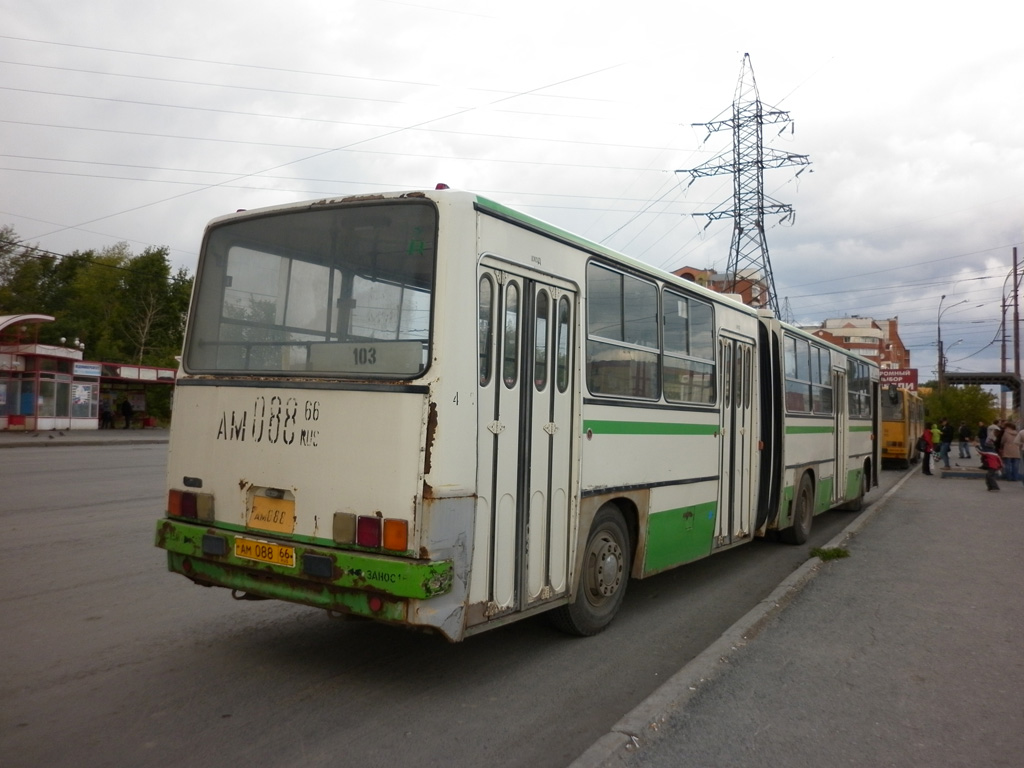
(342, 291)
(892, 406)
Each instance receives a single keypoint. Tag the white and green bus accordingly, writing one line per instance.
(431, 410)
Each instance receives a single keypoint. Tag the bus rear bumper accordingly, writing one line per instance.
(352, 583)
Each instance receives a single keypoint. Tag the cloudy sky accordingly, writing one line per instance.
(139, 122)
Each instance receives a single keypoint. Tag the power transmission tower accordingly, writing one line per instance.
(787, 312)
(748, 254)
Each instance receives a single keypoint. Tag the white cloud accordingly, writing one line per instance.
(577, 112)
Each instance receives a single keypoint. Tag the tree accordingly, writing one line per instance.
(124, 307)
(92, 309)
(24, 274)
(154, 307)
(970, 404)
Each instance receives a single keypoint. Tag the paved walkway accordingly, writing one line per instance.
(906, 653)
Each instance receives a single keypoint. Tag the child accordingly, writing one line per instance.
(991, 463)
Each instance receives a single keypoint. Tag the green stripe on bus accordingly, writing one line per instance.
(809, 430)
(647, 428)
(678, 536)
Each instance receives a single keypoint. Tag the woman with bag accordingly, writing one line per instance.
(924, 445)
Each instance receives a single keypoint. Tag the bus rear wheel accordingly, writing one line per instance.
(803, 513)
(603, 578)
(857, 504)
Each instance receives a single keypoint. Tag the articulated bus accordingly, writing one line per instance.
(428, 409)
(902, 424)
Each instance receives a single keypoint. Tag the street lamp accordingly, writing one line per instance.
(938, 327)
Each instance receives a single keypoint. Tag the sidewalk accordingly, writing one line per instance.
(906, 653)
(67, 437)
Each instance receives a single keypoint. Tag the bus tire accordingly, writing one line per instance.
(803, 513)
(857, 504)
(603, 577)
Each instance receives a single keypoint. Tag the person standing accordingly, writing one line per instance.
(926, 454)
(127, 411)
(982, 435)
(965, 440)
(945, 441)
(1009, 451)
(992, 441)
(1020, 449)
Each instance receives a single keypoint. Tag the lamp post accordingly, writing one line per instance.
(938, 328)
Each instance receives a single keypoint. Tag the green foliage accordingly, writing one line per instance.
(829, 553)
(970, 404)
(125, 307)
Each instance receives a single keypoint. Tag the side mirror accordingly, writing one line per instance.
(894, 394)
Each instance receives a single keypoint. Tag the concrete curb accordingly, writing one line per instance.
(640, 727)
(58, 443)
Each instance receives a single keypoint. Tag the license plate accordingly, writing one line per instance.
(269, 514)
(265, 552)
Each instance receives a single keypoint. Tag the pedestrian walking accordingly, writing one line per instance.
(945, 441)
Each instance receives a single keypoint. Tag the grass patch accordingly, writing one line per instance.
(830, 553)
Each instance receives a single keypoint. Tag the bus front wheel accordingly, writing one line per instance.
(603, 578)
(803, 513)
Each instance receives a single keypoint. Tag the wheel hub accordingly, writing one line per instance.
(605, 573)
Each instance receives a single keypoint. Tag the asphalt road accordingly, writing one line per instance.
(111, 661)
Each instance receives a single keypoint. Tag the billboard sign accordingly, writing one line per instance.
(901, 377)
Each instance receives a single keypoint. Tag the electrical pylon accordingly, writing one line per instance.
(787, 312)
(748, 253)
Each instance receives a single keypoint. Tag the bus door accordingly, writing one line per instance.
(526, 440)
(841, 432)
(738, 471)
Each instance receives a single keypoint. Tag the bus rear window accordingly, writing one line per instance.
(340, 291)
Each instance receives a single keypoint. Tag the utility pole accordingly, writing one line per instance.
(748, 252)
(1016, 315)
(1005, 332)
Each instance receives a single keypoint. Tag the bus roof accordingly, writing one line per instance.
(506, 213)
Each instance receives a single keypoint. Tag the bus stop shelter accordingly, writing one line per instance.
(47, 386)
(1009, 380)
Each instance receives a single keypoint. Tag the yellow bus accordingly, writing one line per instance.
(902, 424)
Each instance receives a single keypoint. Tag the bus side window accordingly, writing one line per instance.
(485, 324)
(540, 342)
(562, 350)
(510, 358)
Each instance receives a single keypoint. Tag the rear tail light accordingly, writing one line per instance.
(368, 532)
(190, 505)
(371, 532)
(396, 535)
(182, 504)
